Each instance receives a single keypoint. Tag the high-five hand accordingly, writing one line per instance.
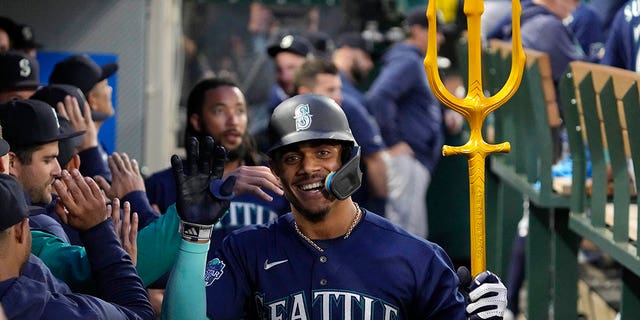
(202, 197)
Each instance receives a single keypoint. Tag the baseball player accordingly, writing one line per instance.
(622, 47)
(329, 258)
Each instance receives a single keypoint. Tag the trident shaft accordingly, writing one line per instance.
(475, 107)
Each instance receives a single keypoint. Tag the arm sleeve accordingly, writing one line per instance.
(185, 297)
(364, 128)
(158, 245)
(94, 163)
(116, 279)
(558, 43)
(616, 48)
(438, 287)
(157, 250)
(67, 262)
(393, 82)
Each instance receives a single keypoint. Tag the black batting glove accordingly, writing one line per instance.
(202, 197)
(486, 296)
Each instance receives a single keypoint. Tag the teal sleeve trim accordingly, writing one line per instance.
(158, 245)
(185, 297)
(67, 262)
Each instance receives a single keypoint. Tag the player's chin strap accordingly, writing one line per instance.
(346, 180)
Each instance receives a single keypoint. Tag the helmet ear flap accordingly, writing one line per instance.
(343, 182)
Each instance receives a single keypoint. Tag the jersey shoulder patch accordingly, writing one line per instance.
(213, 271)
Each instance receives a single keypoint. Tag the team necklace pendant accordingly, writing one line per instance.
(346, 235)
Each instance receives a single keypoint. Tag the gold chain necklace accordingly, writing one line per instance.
(346, 235)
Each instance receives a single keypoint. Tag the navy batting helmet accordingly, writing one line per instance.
(309, 117)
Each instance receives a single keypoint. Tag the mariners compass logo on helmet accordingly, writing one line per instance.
(303, 115)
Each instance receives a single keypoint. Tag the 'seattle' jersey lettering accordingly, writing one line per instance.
(326, 304)
(246, 213)
(380, 272)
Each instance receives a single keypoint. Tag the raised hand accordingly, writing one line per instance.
(125, 177)
(70, 109)
(202, 197)
(81, 203)
(126, 228)
(252, 179)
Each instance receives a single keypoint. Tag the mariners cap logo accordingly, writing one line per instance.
(55, 116)
(27, 34)
(25, 67)
(286, 42)
(303, 115)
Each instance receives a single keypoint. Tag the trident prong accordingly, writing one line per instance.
(475, 107)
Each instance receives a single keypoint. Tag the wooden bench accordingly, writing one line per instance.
(601, 108)
(530, 121)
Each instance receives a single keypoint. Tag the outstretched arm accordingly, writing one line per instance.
(202, 199)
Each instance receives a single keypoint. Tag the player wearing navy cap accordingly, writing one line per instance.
(288, 54)
(622, 47)
(40, 295)
(329, 258)
(19, 76)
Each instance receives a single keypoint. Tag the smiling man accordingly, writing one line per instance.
(329, 258)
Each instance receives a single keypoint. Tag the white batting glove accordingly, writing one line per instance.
(487, 297)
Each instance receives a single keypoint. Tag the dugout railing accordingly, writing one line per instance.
(531, 122)
(601, 107)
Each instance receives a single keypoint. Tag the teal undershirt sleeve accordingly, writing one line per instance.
(67, 262)
(158, 245)
(185, 297)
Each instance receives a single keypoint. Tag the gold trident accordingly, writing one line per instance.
(475, 107)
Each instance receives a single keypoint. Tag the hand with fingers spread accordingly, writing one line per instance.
(125, 177)
(126, 228)
(81, 203)
(202, 197)
(80, 120)
(252, 179)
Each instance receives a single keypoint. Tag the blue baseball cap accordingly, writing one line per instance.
(13, 206)
(54, 93)
(18, 71)
(28, 123)
(4, 146)
(82, 72)
(295, 44)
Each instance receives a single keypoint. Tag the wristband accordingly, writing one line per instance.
(195, 232)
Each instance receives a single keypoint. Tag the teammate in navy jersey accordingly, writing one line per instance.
(217, 107)
(621, 49)
(329, 258)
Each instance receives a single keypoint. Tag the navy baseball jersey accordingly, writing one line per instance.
(621, 49)
(367, 134)
(378, 272)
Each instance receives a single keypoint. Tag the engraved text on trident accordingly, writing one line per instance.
(475, 107)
